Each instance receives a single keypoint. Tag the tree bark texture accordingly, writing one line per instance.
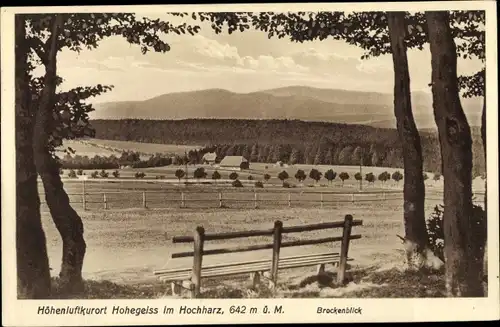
(416, 237)
(67, 221)
(33, 275)
(461, 236)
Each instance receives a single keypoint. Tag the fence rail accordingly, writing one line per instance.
(158, 199)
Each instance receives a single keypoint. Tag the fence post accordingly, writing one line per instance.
(344, 249)
(220, 199)
(199, 239)
(255, 200)
(278, 227)
(182, 200)
(144, 200)
(289, 199)
(321, 200)
(83, 199)
(105, 201)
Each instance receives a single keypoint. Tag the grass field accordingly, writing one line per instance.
(126, 246)
(91, 147)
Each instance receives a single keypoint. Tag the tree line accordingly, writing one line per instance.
(290, 141)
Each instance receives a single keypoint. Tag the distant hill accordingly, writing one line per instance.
(294, 102)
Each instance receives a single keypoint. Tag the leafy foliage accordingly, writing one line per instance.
(315, 174)
(71, 174)
(283, 176)
(216, 175)
(358, 176)
(140, 175)
(370, 178)
(116, 174)
(330, 175)
(437, 176)
(259, 184)
(179, 173)
(300, 175)
(200, 173)
(103, 174)
(233, 176)
(397, 176)
(237, 183)
(343, 176)
(267, 177)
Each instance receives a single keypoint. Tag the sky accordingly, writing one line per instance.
(240, 62)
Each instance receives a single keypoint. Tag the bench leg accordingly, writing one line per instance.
(255, 278)
(176, 289)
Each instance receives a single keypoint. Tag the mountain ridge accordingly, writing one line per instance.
(291, 102)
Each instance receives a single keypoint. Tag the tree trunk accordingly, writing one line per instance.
(67, 221)
(416, 237)
(483, 138)
(461, 237)
(33, 275)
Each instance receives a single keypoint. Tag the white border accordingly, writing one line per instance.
(23, 313)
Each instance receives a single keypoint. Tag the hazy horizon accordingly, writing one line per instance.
(241, 62)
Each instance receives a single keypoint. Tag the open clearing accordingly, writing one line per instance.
(91, 147)
(125, 246)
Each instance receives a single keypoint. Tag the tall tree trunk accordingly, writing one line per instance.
(33, 275)
(483, 138)
(416, 237)
(461, 237)
(67, 221)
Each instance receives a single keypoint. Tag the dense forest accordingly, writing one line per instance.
(290, 141)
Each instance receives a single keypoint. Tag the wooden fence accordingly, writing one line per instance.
(248, 199)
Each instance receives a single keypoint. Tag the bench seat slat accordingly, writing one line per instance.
(230, 269)
(240, 263)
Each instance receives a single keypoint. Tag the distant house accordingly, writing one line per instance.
(209, 158)
(234, 163)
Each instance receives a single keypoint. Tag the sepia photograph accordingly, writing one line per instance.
(167, 153)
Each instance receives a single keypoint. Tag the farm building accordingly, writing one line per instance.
(209, 158)
(234, 162)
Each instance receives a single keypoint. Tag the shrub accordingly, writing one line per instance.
(61, 171)
(330, 175)
(437, 176)
(116, 174)
(79, 172)
(72, 174)
(94, 174)
(370, 178)
(315, 174)
(237, 183)
(435, 230)
(267, 177)
(397, 176)
(103, 174)
(179, 173)
(250, 177)
(286, 185)
(200, 173)
(300, 175)
(343, 176)
(233, 176)
(259, 184)
(358, 176)
(283, 176)
(425, 176)
(140, 175)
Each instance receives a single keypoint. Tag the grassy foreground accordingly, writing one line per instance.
(363, 283)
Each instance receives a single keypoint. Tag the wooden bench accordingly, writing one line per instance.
(190, 277)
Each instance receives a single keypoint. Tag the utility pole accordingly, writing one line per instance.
(186, 164)
(361, 170)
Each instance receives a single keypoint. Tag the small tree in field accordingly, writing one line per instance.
(370, 178)
(233, 176)
(216, 176)
(199, 173)
(179, 173)
(140, 175)
(103, 174)
(237, 183)
(343, 176)
(397, 176)
(358, 176)
(79, 172)
(383, 177)
(330, 175)
(283, 176)
(72, 174)
(267, 177)
(425, 176)
(250, 177)
(258, 184)
(116, 174)
(437, 176)
(300, 175)
(315, 175)
(94, 174)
